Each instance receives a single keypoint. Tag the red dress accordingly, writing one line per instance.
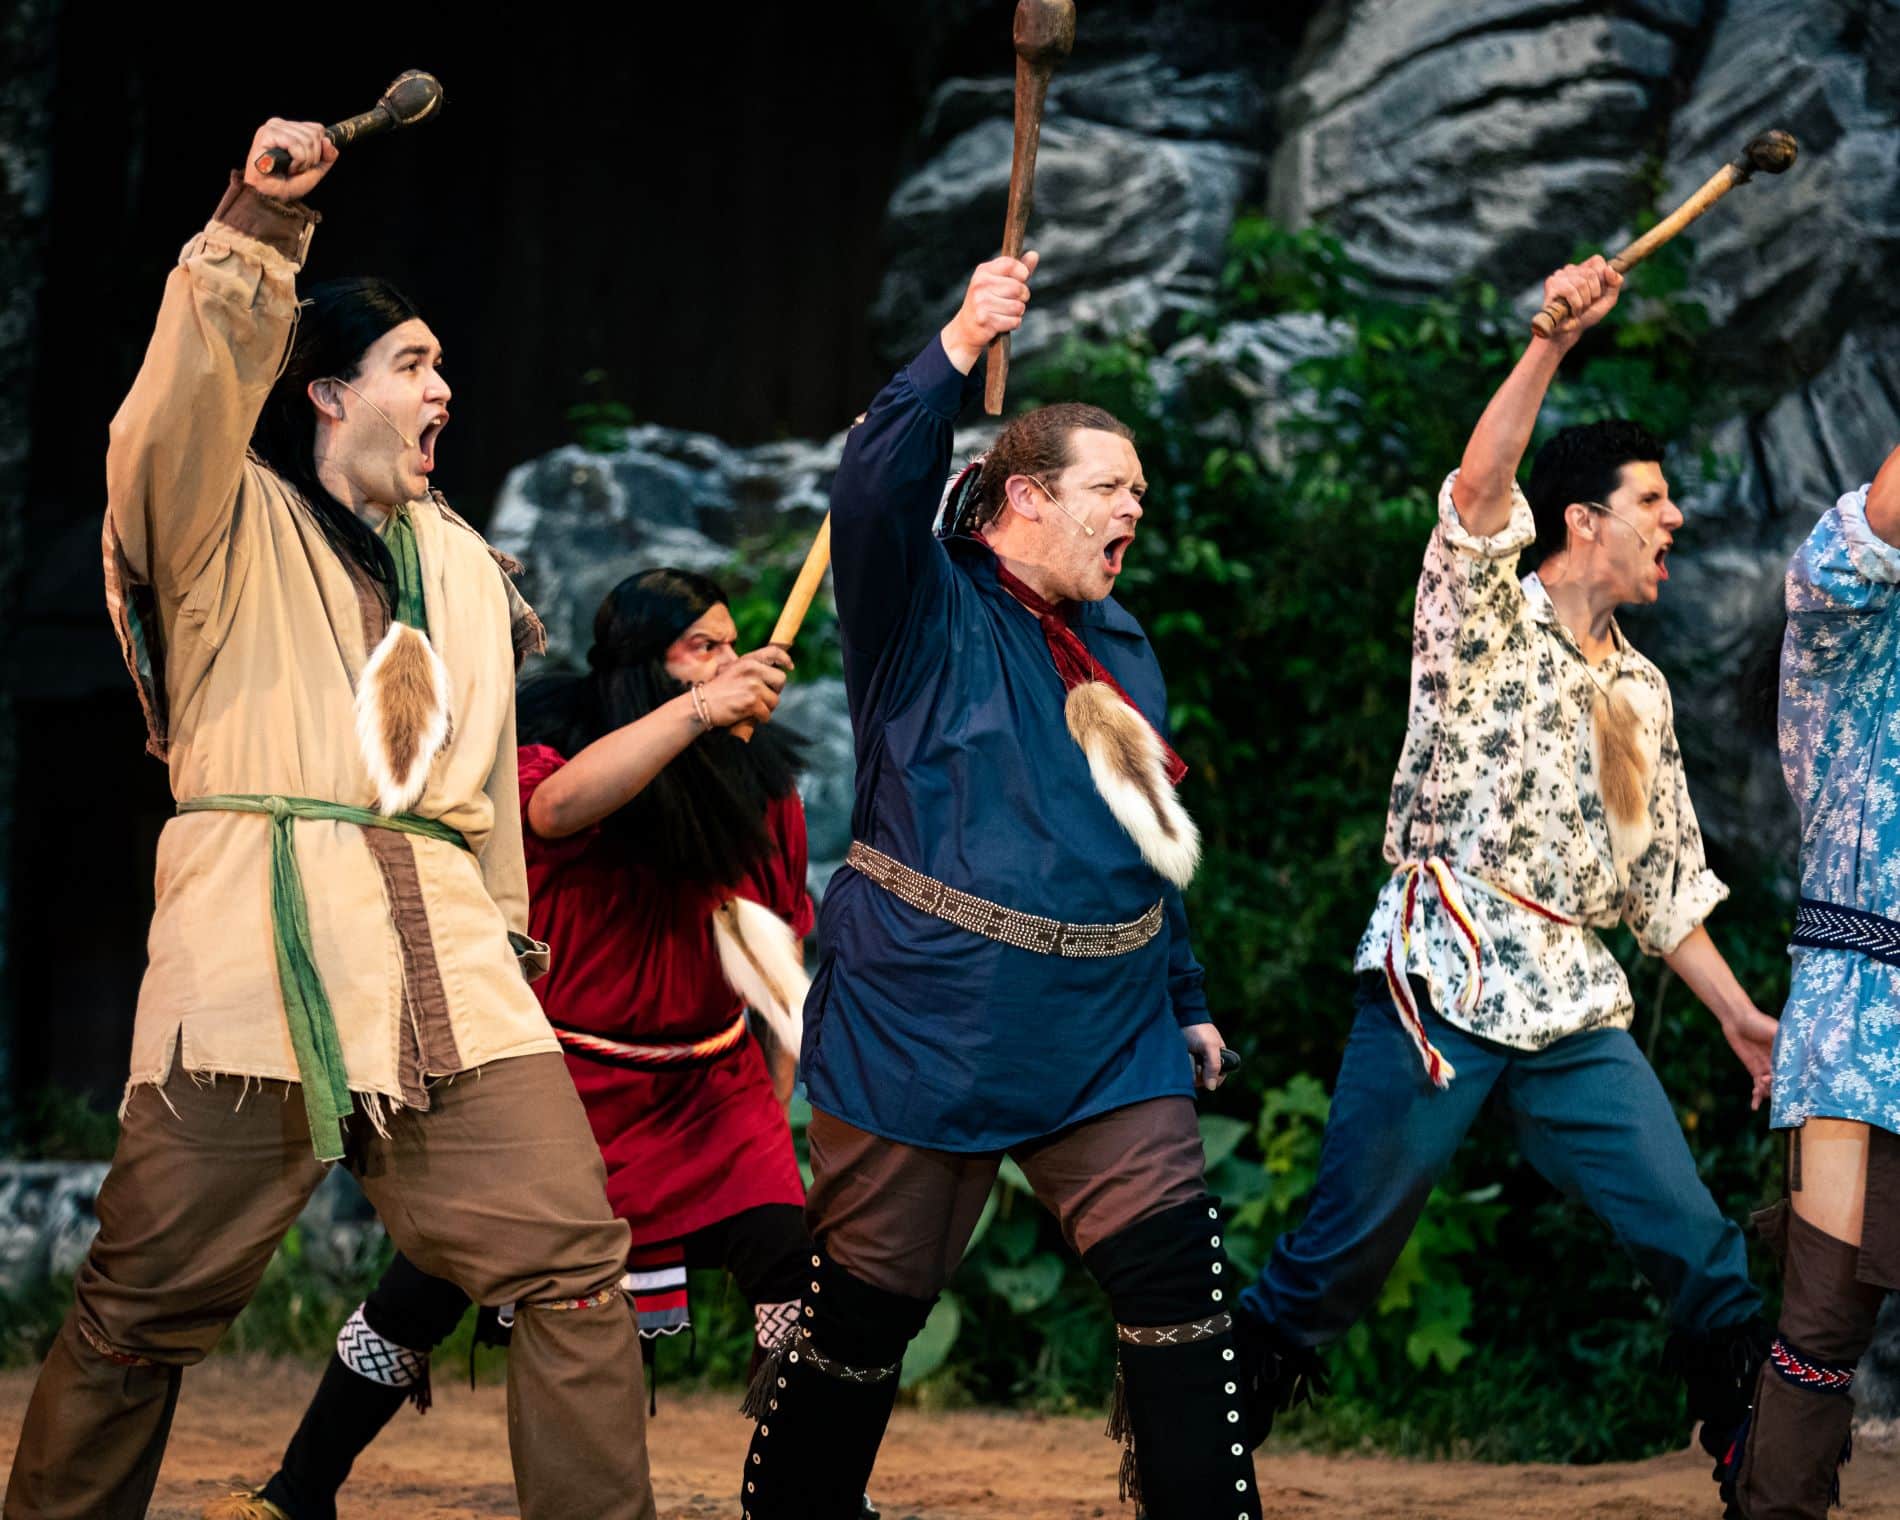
(634, 960)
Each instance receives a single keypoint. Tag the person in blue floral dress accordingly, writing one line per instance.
(1837, 1057)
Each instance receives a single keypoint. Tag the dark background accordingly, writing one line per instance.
(687, 198)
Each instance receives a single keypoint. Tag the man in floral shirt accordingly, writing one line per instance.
(1539, 797)
(1837, 1059)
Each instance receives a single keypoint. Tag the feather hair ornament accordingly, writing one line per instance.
(759, 954)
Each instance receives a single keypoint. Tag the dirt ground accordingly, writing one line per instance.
(452, 1464)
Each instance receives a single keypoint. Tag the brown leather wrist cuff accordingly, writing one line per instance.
(282, 225)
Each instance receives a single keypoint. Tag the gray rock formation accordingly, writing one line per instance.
(1484, 138)
(47, 1223)
(582, 522)
(1788, 266)
(1142, 168)
(1239, 374)
(46, 1219)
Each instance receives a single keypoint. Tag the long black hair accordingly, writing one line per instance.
(339, 321)
(703, 817)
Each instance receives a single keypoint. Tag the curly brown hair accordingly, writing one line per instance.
(1037, 443)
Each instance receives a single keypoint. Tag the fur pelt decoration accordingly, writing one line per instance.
(1626, 766)
(760, 956)
(402, 716)
(1130, 770)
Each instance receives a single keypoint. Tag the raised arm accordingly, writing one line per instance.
(617, 767)
(1883, 501)
(885, 494)
(1482, 493)
(178, 442)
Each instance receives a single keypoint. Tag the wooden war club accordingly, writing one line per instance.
(1044, 32)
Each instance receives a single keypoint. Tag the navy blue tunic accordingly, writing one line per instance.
(915, 1029)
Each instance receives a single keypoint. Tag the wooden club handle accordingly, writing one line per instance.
(1714, 188)
(810, 576)
(1044, 33)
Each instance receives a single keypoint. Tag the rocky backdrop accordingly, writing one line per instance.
(1438, 138)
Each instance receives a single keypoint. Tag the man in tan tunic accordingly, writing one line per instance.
(338, 958)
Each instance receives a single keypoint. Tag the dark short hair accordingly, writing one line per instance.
(1581, 463)
(1037, 443)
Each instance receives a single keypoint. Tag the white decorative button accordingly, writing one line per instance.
(755, 1459)
(814, 1261)
(1215, 1242)
(794, 1356)
(1240, 1485)
(781, 1381)
(1217, 1269)
(1217, 1295)
(765, 1430)
(748, 1485)
(1231, 1388)
(775, 1403)
(1225, 1356)
(1213, 1213)
(1233, 1417)
(1237, 1450)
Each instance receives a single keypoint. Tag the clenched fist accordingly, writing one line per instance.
(1591, 288)
(311, 156)
(993, 305)
(747, 690)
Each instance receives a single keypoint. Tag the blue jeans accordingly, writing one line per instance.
(1590, 1116)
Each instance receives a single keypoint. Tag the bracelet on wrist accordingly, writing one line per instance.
(700, 710)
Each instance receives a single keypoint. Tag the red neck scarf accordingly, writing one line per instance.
(1072, 659)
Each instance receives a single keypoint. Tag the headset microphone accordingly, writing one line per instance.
(1081, 523)
(408, 442)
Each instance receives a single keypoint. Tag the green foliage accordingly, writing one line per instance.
(1276, 576)
(55, 1124)
(600, 423)
(759, 577)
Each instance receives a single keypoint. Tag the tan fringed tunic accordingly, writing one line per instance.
(246, 635)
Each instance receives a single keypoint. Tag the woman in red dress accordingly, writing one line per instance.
(644, 818)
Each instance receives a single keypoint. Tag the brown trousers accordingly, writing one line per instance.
(498, 1187)
(899, 1216)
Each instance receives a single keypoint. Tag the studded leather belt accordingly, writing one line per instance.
(1026, 931)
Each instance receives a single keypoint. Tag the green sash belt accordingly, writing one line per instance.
(320, 1070)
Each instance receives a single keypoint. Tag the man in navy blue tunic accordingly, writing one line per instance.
(1006, 960)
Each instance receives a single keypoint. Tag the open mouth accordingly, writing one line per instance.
(426, 442)
(1114, 551)
(1662, 566)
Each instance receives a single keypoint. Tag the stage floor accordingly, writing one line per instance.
(452, 1464)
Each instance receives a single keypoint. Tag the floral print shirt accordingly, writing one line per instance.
(1838, 1051)
(1499, 779)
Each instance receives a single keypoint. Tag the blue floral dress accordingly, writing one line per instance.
(1838, 1053)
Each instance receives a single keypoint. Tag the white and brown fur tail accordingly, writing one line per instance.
(402, 716)
(759, 954)
(1626, 765)
(1131, 772)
